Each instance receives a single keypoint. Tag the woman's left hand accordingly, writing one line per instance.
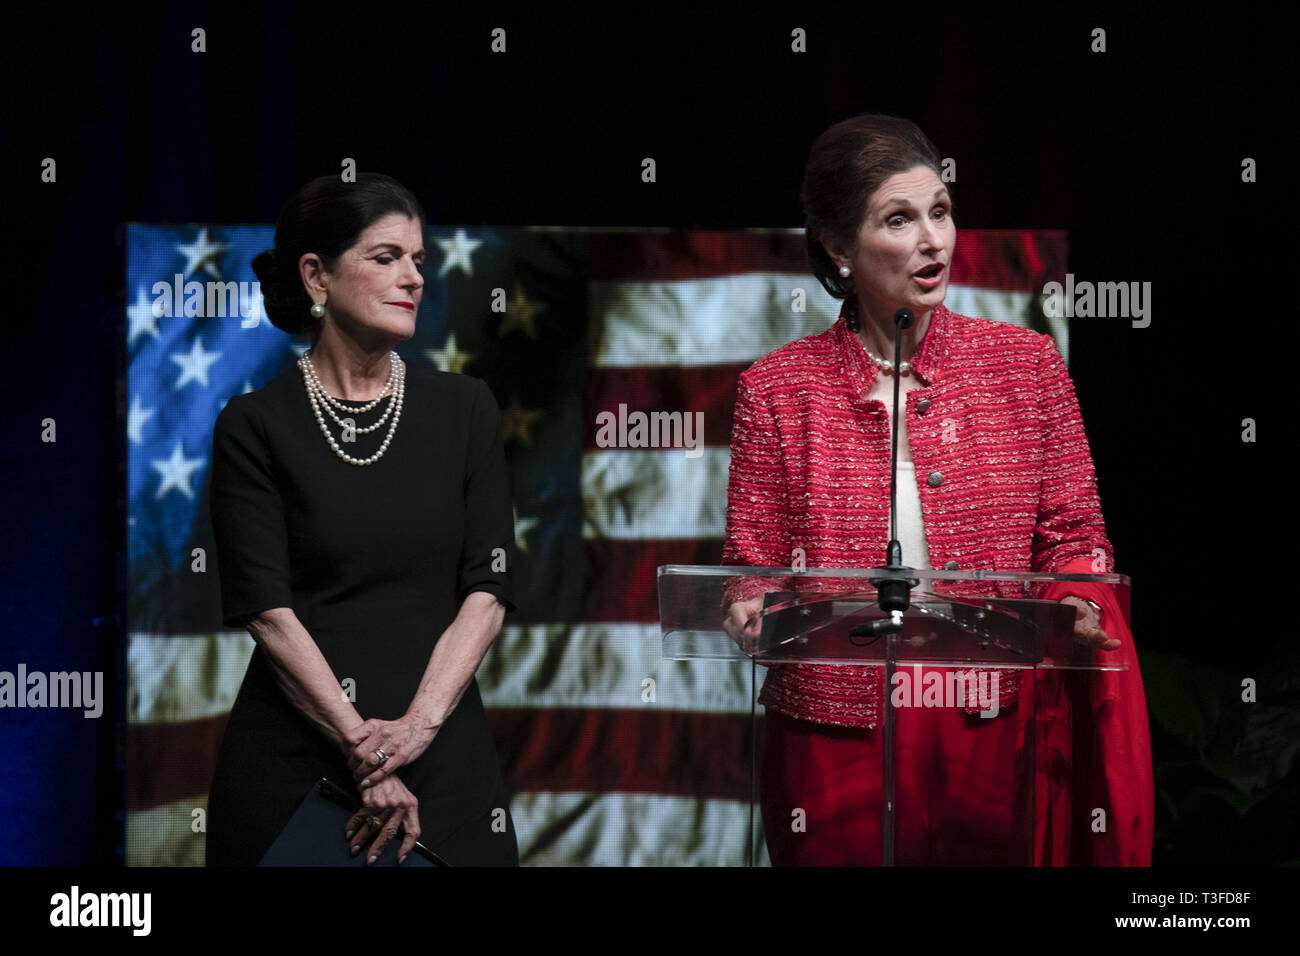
(1087, 625)
(401, 740)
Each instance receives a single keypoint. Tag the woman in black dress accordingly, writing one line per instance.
(363, 526)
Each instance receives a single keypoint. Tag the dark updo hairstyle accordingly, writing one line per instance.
(846, 164)
(327, 217)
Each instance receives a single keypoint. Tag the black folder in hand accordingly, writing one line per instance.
(314, 835)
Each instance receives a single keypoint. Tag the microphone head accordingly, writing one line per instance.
(903, 319)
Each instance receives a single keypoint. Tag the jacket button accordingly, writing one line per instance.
(923, 405)
(935, 479)
(950, 565)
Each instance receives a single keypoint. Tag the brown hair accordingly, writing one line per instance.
(327, 217)
(846, 164)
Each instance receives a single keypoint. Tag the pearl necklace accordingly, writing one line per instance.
(316, 394)
(904, 367)
(332, 403)
(885, 366)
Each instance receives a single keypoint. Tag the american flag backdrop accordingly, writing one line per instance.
(613, 755)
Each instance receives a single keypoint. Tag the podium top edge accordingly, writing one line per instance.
(714, 570)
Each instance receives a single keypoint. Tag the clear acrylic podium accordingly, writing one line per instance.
(971, 757)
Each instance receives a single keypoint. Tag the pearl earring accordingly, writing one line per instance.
(317, 310)
(844, 271)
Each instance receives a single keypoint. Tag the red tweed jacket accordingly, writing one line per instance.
(1006, 483)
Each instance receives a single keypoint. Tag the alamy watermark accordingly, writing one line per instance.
(1085, 300)
(651, 430)
(945, 688)
(77, 689)
(181, 299)
(76, 908)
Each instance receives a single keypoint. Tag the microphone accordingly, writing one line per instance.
(894, 587)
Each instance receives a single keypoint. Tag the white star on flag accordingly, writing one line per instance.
(522, 527)
(176, 472)
(457, 250)
(195, 364)
(135, 420)
(141, 316)
(449, 358)
(203, 253)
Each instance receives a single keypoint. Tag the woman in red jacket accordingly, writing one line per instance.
(994, 473)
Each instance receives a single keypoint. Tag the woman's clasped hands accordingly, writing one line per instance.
(375, 750)
(380, 747)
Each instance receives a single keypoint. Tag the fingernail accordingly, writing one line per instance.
(348, 835)
(371, 860)
(364, 784)
(356, 849)
(402, 858)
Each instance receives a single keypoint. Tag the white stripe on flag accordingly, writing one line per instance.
(174, 677)
(605, 666)
(717, 321)
(631, 829)
(191, 677)
(741, 318)
(1013, 308)
(164, 835)
(655, 493)
(553, 829)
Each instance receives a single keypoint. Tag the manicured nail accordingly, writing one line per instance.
(348, 835)
(364, 784)
(371, 860)
(402, 858)
(356, 849)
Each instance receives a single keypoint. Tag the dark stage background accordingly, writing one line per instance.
(1136, 153)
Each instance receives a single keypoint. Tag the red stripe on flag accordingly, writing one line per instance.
(1009, 260)
(620, 577)
(171, 761)
(710, 389)
(695, 254)
(673, 753)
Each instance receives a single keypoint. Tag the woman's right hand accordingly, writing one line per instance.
(386, 806)
(744, 623)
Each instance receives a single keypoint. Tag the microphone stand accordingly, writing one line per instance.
(893, 592)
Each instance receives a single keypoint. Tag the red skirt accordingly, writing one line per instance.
(963, 790)
(1063, 778)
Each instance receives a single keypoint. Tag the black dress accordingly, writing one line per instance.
(375, 561)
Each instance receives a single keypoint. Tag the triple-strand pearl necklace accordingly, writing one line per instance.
(316, 394)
